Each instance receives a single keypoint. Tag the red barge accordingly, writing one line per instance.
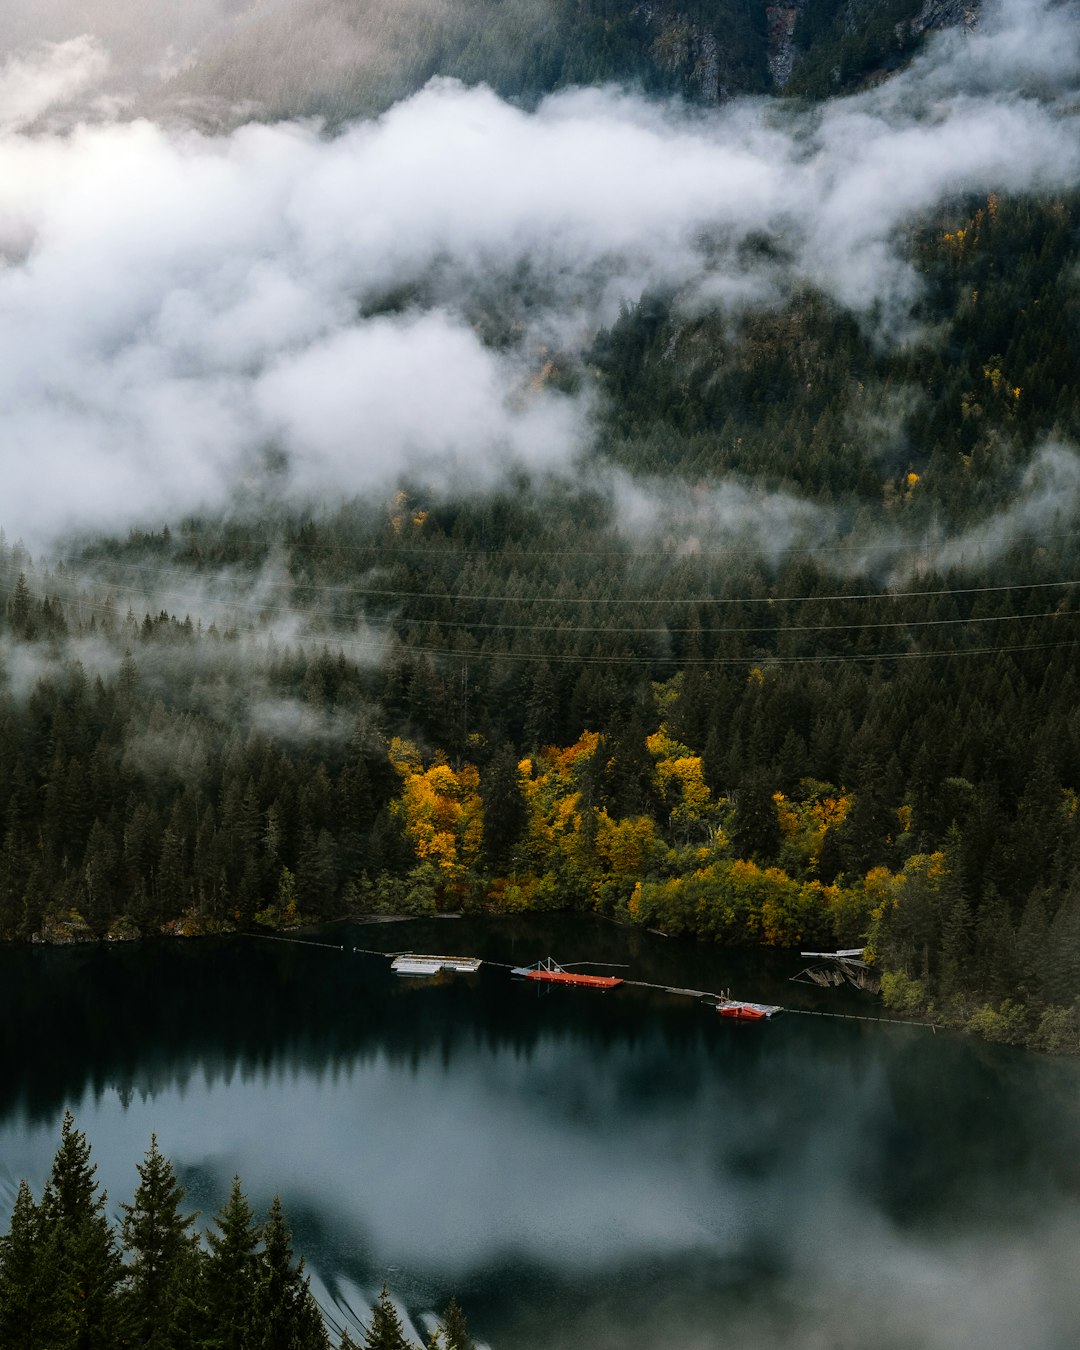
(551, 973)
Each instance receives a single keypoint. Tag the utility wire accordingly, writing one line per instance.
(358, 590)
(393, 625)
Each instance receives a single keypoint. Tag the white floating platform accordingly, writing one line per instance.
(412, 963)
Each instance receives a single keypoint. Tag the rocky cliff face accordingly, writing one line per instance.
(851, 24)
(781, 58)
(703, 57)
(946, 14)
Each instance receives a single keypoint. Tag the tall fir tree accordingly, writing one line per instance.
(755, 831)
(285, 1315)
(87, 1267)
(455, 1329)
(384, 1331)
(28, 1305)
(163, 1268)
(505, 813)
(228, 1284)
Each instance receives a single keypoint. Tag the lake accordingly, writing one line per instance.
(622, 1169)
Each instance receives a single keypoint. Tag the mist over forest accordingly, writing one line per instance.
(534, 455)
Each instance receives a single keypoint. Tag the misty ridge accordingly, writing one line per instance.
(301, 316)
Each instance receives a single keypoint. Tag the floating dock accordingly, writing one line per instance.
(549, 972)
(746, 1012)
(416, 963)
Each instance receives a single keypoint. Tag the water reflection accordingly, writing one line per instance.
(581, 1168)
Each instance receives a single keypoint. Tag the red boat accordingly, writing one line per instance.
(551, 973)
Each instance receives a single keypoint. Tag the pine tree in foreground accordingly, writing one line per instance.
(455, 1329)
(86, 1261)
(285, 1315)
(384, 1331)
(164, 1256)
(229, 1270)
(27, 1307)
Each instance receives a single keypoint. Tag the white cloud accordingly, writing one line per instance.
(176, 304)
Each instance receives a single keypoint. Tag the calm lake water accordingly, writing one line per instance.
(582, 1169)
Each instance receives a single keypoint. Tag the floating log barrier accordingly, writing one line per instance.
(839, 966)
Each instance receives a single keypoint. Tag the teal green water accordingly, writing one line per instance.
(582, 1169)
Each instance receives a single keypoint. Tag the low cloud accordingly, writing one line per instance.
(717, 518)
(1045, 502)
(187, 316)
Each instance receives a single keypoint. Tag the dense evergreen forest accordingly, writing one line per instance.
(788, 658)
(69, 1279)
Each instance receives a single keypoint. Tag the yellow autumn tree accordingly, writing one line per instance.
(680, 779)
(806, 818)
(440, 809)
(627, 846)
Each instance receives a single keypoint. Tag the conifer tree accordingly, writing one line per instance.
(455, 1329)
(754, 829)
(505, 813)
(229, 1272)
(20, 608)
(164, 1255)
(28, 1311)
(384, 1331)
(956, 926)
(285, 1315)
(86, 1262)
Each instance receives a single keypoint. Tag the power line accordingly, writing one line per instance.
(358, 591)
(377, 644)
(394, 623)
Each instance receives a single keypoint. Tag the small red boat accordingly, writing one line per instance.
(551, 973)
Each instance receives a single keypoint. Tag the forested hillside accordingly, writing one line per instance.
(788, 657)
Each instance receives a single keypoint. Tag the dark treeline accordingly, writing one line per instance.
(822, 686)
(71, 1280)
